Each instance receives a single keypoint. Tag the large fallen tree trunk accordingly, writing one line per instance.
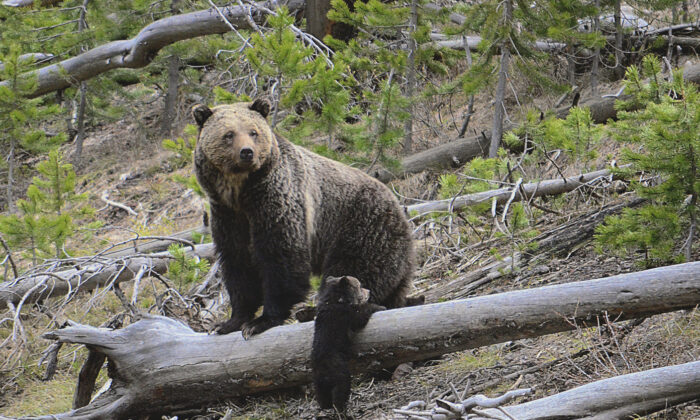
(621, 397)
(87, 276)
(159, 365)
(143, 48)
(501, 195)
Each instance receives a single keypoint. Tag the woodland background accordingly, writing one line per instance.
(463, 108)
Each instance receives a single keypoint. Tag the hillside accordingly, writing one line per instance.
(472, 251)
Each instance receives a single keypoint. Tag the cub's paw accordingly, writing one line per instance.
(258, 325)
(415, 300)
(305, 314)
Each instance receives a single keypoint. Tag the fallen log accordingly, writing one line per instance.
(147, 246)
(87, 276)
(159, 365)
(620, 397)
(501, 195)
(453, 154)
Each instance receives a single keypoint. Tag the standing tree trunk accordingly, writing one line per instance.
(11, 207)
(80, 136)
(497, 131)
(617, 16)
(317, 23)
(411, 78)
(596, 54)
(170, 111)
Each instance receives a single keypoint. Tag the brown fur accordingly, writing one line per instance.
(342, 310)
(289, 213)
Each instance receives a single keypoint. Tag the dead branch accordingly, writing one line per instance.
(93, 273)
(105, 197)
(142, 49)
(503, 195)
(159, 365)
(557, 242)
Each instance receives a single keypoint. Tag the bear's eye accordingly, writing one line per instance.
(253, 133)
(229, 135)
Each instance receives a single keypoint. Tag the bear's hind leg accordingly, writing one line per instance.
(323, 393)
(341, 392)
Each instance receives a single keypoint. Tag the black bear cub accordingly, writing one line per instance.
(342, 309)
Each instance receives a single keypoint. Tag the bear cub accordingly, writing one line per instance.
(342, 310)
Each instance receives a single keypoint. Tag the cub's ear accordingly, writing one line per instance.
(201, 114)
(262, 106)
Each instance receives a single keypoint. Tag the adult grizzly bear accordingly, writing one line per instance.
(280, 213)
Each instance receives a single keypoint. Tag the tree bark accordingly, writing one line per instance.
(620, 397)
(80, 136)
(140, 50)
(317, 23)
(501, 195)
(159, 365)
(170, 106)
(103, 271)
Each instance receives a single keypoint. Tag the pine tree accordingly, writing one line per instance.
(384, 60)
(664, 141)
(46, 217)
(19, 116)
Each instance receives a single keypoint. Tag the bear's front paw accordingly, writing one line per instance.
(258, 325)
(227, 326)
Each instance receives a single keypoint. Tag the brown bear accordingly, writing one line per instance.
(342, 309)
(280, 213)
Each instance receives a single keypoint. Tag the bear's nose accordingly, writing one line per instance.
(246, 154)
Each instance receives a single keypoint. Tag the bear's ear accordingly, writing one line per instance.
(201, 114)
(262, 106)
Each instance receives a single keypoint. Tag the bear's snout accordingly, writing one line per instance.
(246, 154)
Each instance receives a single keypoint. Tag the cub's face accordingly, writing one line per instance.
(343, 290)
(236, 138)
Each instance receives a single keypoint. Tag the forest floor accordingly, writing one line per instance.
(128, 162)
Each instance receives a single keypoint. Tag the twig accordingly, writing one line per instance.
(137, 281)
(50, 355)
(9, 256)
(510, 200)
(105, 197)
